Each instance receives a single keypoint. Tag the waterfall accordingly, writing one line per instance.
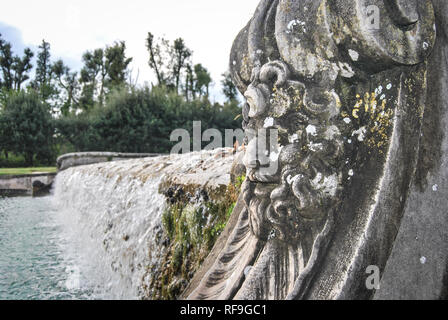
(111, 214)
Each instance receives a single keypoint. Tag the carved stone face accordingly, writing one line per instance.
(332, 121)
(293, 117)
(290, 152)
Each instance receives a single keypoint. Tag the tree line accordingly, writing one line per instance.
(55, 110)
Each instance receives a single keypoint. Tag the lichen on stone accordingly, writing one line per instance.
(373, 117)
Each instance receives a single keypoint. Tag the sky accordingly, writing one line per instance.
(75, 26)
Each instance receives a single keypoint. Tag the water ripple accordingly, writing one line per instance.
(33, 265)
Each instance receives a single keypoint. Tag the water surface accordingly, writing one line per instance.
(35, 260)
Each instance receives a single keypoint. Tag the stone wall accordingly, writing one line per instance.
(153, 219)
(84, 158)
(12, 185)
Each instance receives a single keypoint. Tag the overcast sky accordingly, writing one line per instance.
(74, 26)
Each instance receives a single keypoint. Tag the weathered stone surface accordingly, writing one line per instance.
(119, 207)
(84, 158)
(418, 265)
(326, 189)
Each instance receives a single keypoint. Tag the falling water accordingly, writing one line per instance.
(99, 231)
(112, 215)
(110, 223)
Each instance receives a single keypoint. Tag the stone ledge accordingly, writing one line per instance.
(22, 185)
(84, 158)
(30, 175)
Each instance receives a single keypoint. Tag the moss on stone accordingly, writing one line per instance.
(192, 223)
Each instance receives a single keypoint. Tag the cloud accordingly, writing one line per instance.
(14, 36)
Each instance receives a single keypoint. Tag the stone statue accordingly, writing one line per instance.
(336, 96)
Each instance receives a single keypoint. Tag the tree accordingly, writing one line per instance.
(14, 69)
(103, 70)
(43, 81)
(189, 83)
(29, 124)
(203, 80)
(179, 55)
(6, 134)
(21, 67)
(169, 61)
(88, 77)
(69, 86)
(197, 82)
(6, 64)
(156, 58)
(228, 87)
(116, 65)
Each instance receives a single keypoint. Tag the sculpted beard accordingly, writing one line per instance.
(294, 202)
(299, 203)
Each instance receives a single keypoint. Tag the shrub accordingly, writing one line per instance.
(141, 121)
(27, 128)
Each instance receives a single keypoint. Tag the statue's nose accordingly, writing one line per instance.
(255, 101)
(404, 12)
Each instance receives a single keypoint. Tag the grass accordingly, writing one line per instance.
(18, 171)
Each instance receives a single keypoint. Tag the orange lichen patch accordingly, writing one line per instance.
(382, 123)
(368, 108)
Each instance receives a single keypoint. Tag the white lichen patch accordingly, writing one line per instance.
(293, 138)
(273, 156)
(347, 120)
(331, 132)
(423, 260)
(389, 86)
(311, 66)
(354, 55)
(351, 173)
(268, 122)
(361, 133)
(315, 146)
(328, 185)
(295, 23)
(435, 188)
(378, 91)
(312, 130)
(345, 70)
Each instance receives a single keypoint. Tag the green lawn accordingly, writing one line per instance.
(16, 171)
